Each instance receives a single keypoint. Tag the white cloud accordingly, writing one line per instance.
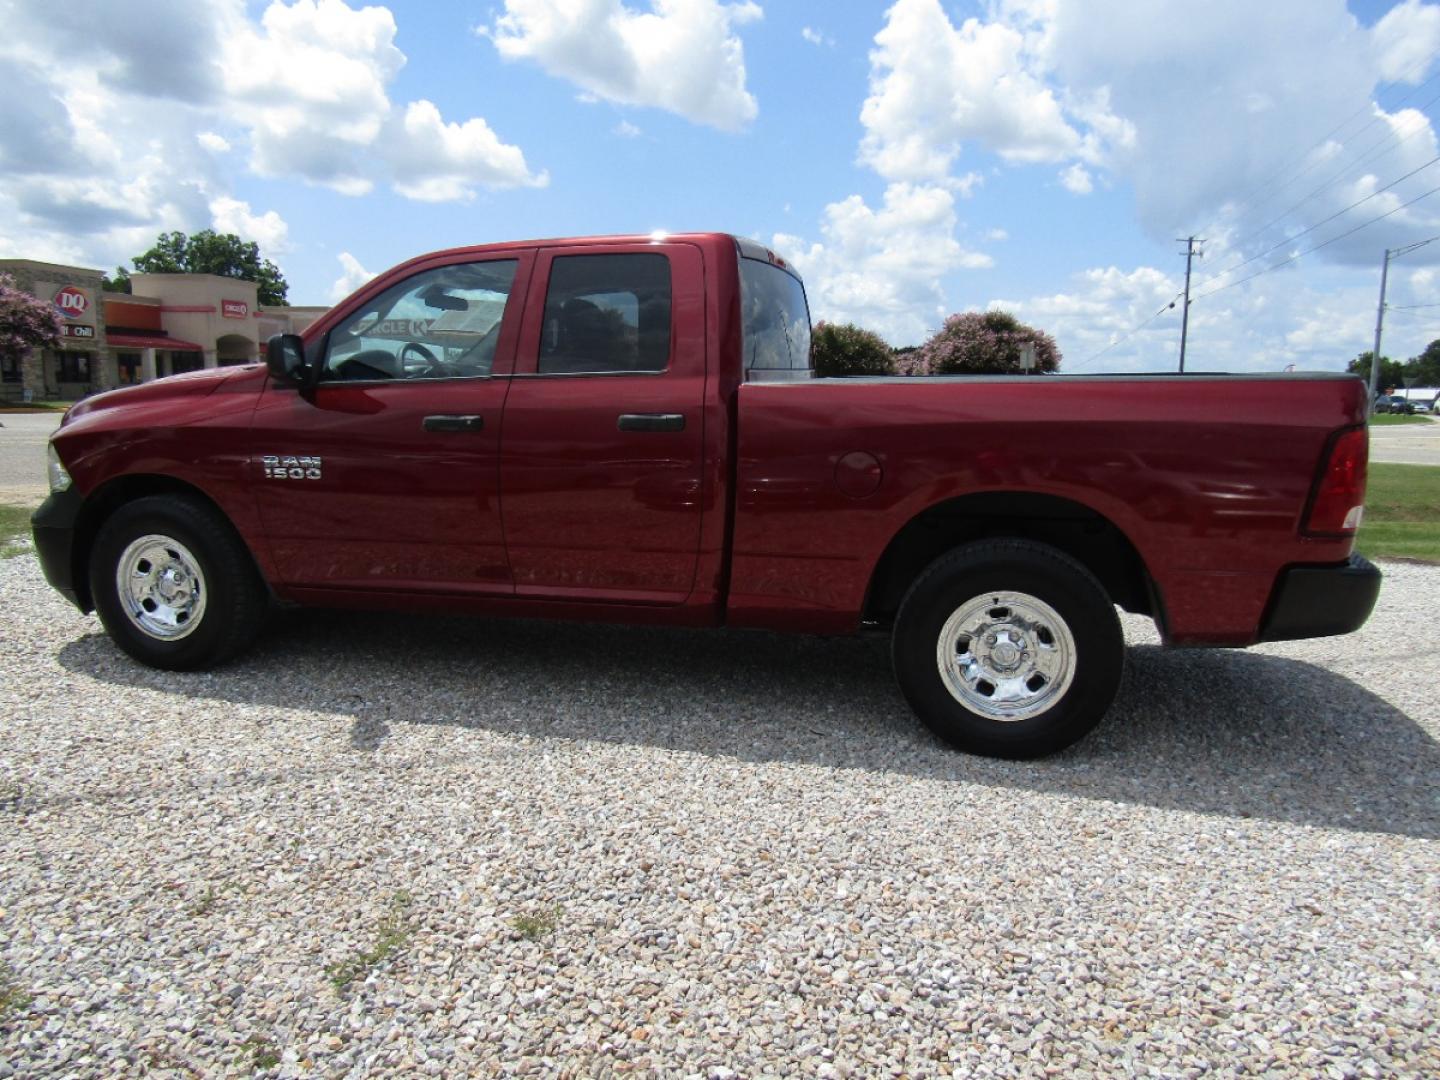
(681, 55)
(269, 229)
(1106, 89)
(312, 84)
(627, 130)
(965, 186)
(1076, 179)
(112, 136)
(997, 235)
(1406, 40)
(352, 276)
(1312, 319)
(815, 37)
(934, 86)
(881, 268)
(438, 162)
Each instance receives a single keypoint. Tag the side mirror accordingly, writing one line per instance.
(285, 357)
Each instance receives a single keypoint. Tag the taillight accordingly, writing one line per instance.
(1338, 500)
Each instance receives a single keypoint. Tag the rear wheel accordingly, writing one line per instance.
(174, 585)
(1008, 648)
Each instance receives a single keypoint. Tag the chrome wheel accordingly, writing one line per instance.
(1006, 655)
(161, 587)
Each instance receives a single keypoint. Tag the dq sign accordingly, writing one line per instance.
(71, 302)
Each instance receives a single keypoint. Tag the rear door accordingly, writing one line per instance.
(602, 445)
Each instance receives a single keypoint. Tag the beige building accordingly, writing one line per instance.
(169, 323)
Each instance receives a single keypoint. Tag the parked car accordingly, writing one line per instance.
(625, 429)
(1395, 403)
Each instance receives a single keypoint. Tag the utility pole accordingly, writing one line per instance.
(1189, 242)
(1390, 253)
(1379, 329)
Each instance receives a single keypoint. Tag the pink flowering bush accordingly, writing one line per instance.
(843, 349)
(981, 343)
(25, 322)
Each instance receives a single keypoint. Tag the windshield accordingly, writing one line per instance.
(776, 322)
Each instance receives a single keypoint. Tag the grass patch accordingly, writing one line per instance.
(34, 406)
(391, 935)
(1386, 419)
(261, 1054)
(12, 997)
(14, 526)
(534, 925)
(1402, 513)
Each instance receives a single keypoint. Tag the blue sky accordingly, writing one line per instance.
(914, 158)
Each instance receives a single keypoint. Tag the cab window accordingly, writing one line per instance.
(440, 324)
(606, 314)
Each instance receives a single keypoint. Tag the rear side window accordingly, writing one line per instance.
(606, 313)
(776, 320)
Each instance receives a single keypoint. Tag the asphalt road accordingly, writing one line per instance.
(22, 454)
(1407, 444)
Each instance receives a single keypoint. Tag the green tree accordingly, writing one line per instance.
(843, 349)
(1390, 370)
(985, 343)
(209, 252)
(1425, 368)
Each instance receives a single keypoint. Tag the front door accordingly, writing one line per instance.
(602, 448)
(385, 476)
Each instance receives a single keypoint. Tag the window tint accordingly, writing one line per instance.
(439, 324)
(776, 322)
(607, 313)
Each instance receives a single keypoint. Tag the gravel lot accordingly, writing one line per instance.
(446, 847)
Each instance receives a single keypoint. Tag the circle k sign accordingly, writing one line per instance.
(71, 302)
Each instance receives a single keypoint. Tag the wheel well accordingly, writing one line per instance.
(108, 498)
(1075, 529)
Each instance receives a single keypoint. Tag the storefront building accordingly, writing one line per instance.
(172, 323)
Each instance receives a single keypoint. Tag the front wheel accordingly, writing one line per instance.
(174, 585)
(1008, 648)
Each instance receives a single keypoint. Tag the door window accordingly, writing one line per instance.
(606, 313)
(440, 324)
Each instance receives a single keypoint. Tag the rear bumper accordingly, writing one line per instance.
(54, 528)
(1321, 601)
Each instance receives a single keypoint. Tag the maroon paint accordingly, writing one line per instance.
(553, 511)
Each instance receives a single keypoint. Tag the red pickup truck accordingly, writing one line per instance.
(625, 429)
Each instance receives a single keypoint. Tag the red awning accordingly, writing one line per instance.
(120, 340)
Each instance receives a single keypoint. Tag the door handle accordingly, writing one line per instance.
(651, 422)
(454, 423)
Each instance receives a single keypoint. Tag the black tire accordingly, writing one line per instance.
(1023, 619)
(224, 593)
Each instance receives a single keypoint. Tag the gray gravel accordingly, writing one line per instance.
(571, 851)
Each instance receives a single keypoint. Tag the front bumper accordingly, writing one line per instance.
(1321, 601)
(53, 526)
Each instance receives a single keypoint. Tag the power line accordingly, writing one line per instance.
(1339, 213)
(1410, 307)
(1269, 184)
(1367, 155)
(1132, 331)
(1327, 243)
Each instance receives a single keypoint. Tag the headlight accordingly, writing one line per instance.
(59, 478)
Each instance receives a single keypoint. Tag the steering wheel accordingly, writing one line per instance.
(433, 364)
